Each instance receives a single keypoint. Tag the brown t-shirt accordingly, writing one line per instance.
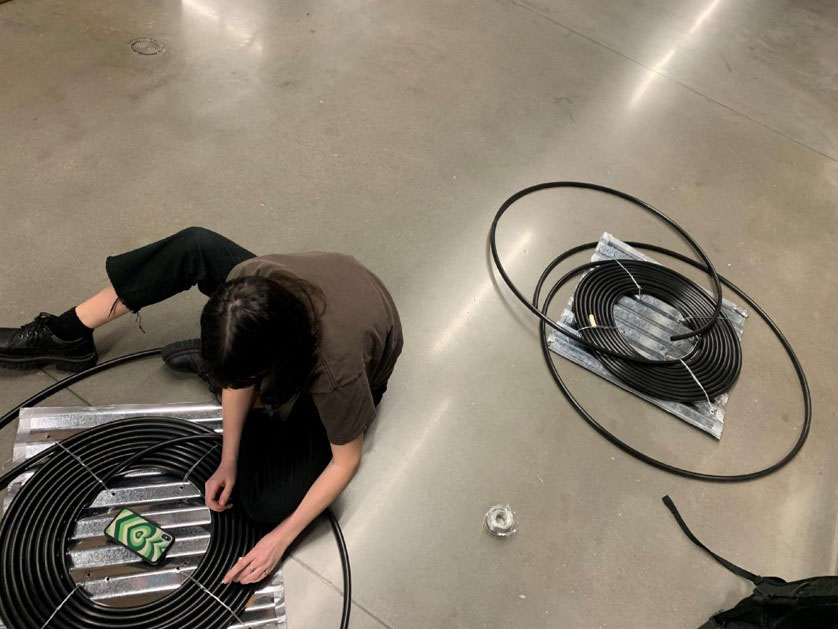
(360, 335)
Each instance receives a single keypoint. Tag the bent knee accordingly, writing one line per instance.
(196, 236)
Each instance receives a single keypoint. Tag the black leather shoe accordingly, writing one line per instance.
(183, 356)
(35, 345)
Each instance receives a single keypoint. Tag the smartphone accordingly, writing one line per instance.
(142, 537)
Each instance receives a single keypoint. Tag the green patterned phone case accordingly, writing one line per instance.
(141, 537)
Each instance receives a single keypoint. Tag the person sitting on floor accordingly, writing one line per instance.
(301, 345)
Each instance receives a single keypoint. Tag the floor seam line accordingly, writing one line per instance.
(339, 591)
(671, 79)
(68, 389)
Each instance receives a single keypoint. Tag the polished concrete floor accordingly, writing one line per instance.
(393, 130)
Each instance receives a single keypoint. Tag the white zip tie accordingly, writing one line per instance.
(697, 382)
(66, 598)
(82, 463)
(191, 469)
(220, 602)
(639, 292)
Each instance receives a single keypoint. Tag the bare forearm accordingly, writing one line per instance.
(264, 556)
(328, 486)
(235, 404)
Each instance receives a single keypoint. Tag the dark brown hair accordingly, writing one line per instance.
(263, 332)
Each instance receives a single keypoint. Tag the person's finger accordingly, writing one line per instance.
(210, 490)
(245, 575)
(213, 504)
(237, 567)
(225, 495)
(254, 575)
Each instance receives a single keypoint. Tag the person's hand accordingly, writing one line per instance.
(259, 562)
(221, 482)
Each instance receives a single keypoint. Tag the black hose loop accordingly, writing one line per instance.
(34, 580)
(717, 350)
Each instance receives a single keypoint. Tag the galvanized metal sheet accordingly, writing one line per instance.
(647, 324)
(109, 573)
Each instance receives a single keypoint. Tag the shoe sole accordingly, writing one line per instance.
(176, 350)
(180, 348)
(73, 365)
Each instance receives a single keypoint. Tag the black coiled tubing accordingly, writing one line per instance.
(34, 579)
(714, 362)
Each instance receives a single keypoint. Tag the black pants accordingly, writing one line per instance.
(279, 460)
(195, 255)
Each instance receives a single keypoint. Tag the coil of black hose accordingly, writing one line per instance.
(34, 579)
(591, 341)
(35, 462)
(708, 370)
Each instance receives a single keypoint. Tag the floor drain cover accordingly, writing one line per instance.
(146, 46)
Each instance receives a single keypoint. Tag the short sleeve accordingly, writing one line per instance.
(346, 411)
(244, 269)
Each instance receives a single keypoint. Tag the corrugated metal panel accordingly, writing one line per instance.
(109, 573)
(647, 323)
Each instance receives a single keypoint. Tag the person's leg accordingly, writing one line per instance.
(280, 460)
(103, 307)
(157, 271)
(161, 269)
(139, 278)
(48, 340)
